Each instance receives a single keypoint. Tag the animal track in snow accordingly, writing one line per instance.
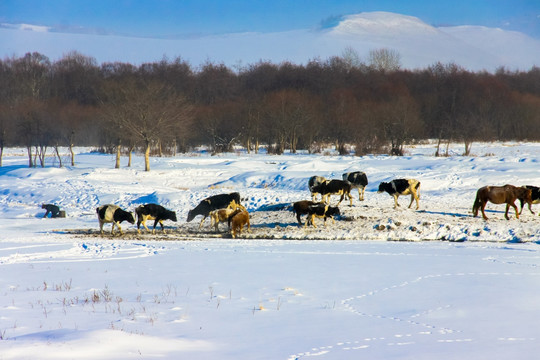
(419, 330)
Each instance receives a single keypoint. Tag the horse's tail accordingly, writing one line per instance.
(477, 204)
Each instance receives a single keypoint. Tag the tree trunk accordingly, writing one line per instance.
(468, 145)
(71, 148)
(437, 152)
(248, 145)
(117, 164)
(30, 162)
(1, 154)
(130, 151)
(72, 154)
(40, 152)
(58, 155)
(147, 157)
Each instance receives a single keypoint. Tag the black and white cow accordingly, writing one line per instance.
(334, 187)
(398, 187)
(153, 212)
(113, 214)
(212, 203)
(302, 208)
(313, 182)
(322, 211)
(535, 196)
(359, 181)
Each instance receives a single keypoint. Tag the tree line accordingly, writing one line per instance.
(169, 106)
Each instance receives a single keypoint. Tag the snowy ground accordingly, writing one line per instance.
(282, 291)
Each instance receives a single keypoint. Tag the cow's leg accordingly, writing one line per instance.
(298, 218)
(313, 220)
(202, 221)
(309, 219)
(143, 222)
(414, 196)
(529, 204)
(340, 199)
(396, 204)
(162, 227)
(154, 227)
(215, 221)
(119, 228)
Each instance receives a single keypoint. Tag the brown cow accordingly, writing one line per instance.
(238, 220)
(500, 195)
(221, 215)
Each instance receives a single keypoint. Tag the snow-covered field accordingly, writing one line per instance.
(282, 291)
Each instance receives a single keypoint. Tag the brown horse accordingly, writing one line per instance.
(500, 195)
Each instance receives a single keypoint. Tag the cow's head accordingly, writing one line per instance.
(382, 187)
(333, 211)
(130, 218)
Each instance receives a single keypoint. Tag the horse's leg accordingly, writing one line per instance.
(482, 207)
(516, 209)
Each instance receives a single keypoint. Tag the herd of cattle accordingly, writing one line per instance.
(228, 207)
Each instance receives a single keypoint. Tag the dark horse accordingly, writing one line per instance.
(499, 195)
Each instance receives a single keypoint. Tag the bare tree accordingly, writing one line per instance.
(146, 110)
(384, 60)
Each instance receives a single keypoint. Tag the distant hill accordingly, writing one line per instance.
(419, 44)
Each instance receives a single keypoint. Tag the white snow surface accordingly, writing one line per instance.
(380, 283)
(420, 45)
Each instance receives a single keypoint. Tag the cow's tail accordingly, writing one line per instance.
(417, 188)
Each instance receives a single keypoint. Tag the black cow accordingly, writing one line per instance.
(398, 187)
(322, 211)
(301, 208)
(312, 183)
(153, 212)
(358, 179)
(51, 209)
(334, 187)
(212, 203)
(535, 196)
(113, 214)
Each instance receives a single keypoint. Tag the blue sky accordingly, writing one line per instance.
(171, 18)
